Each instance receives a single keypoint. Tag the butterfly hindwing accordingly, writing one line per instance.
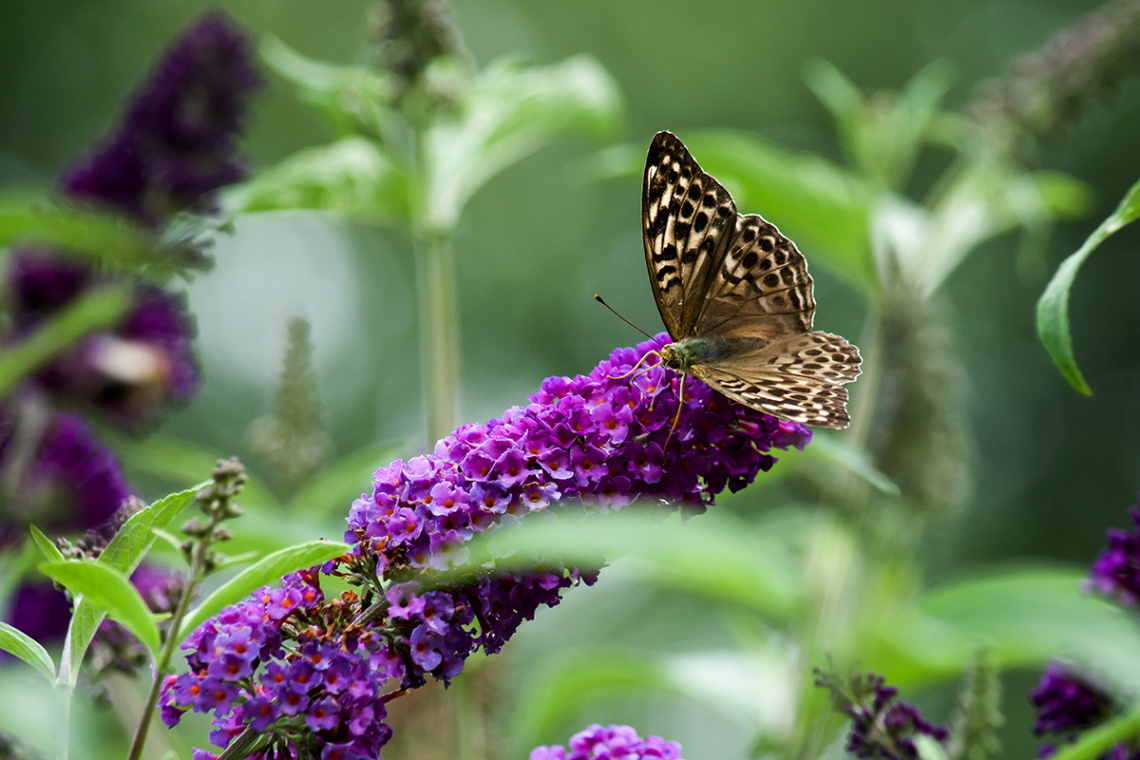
(687, 219)
(798, 378)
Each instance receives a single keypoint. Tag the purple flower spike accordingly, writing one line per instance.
(601, 441)
(1116, 573)
(882, 726)
(1069, 701)
(176, 144)
(73, 482)
(610, 743)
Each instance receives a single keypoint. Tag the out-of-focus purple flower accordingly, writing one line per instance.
(1069, 701)
(176, 144)
(612, 742)
(61, 478)
(882, 726)
(40, 610)
(1116, 573)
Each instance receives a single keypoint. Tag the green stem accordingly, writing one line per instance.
(439, 333)
(166, 654)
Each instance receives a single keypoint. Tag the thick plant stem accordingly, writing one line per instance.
(439, 333)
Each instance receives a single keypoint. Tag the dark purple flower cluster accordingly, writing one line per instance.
(176, 144)
(174, 147)
(320, 681)
(61, 477)
(1116, 573)
(882, 726)
(599, 742)
(1068, 701)
(127, 374)
(605, 439)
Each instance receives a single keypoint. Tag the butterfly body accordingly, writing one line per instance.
(736, 297)
(685, 353)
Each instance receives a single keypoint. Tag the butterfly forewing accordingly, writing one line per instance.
(761, 287)
(687, 219)
(735, 282)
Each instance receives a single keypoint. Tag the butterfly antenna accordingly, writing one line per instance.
(598, 298)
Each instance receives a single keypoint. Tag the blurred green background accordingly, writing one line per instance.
(1051, 469)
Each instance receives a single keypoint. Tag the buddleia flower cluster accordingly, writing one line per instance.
(882, 725)
(174, 147)
(599, 441)
(1070, 701)
(599, 742)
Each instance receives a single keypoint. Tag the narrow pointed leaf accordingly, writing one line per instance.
(112, 592)
(46, 545)
(268, 571)
(20, 644)
(1053, 306)
(122, 554)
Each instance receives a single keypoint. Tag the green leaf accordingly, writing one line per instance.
(1097, 742)
(1024, 616)
(46, 545)
(354, 177)
(75, 231)
(795, 191)
(717, 557)
(840, 452)
(98, 308)
(123, 554)
(20, 644)
(112, 592)
(1053, 306)
(335, 486)
(512, 111)
(353, 99)
(268, 570)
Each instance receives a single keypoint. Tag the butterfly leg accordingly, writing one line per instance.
(677, 416)
(634, 368)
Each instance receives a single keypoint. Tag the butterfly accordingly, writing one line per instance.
(736, 297)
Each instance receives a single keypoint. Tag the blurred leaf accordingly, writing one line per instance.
(1096, 742)
(353, 176)
(75, 231)
(982, 201)
(512, 111)
(1024, 616)
(821, 205)
(123, 554)
(837, 451)
(1053, 307)
(716, 557)
(20, 644)
(332, 489)
(566, 687)
(353, 99)
(46, 545)
(98, 308)
(268, 570)
(175, 460)
(882, 133)
(112, 592)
